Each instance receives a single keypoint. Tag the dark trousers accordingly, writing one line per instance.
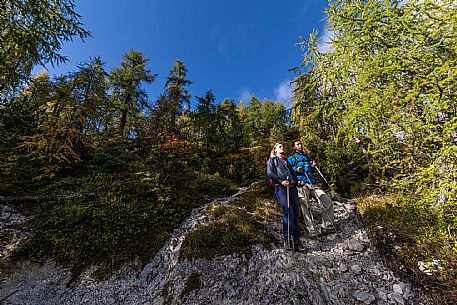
(291, 214)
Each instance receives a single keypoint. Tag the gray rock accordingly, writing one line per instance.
(356, 269)
(356, 246)
(401, 288)
(397, 298)
(382, 294)
(364, 297)
(273, 276)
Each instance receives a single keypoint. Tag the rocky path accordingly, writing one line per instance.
(342, 268)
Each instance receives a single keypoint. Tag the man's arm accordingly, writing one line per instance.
(293, 162)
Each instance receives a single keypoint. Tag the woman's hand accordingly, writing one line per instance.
(285, 183)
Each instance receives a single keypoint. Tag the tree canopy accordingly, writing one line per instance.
(386, 88)
(32, 32)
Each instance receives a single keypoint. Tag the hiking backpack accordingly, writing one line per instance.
(269, 181)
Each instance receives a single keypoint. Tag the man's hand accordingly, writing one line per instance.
(313, 163)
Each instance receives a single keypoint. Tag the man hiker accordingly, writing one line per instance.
(303, 169)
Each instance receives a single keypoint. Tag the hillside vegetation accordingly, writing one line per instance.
(378, 110)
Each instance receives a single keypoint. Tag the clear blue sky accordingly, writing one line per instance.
(236, 48)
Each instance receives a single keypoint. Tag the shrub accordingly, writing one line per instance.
(411, 236)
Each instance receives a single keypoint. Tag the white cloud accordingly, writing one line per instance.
(223, 45)
(245, 95)
(326, 38)
(283, 93)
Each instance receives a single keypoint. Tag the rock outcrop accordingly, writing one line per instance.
(342, 268)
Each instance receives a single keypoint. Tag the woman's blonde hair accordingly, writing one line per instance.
(273, 151)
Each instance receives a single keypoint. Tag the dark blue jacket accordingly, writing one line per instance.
(305, 161)
(279, 172)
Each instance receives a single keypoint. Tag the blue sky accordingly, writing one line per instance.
(235, 48)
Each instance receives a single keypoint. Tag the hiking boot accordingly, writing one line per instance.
(327, 231)
(287, 246)
(297, 246)
(313, 235)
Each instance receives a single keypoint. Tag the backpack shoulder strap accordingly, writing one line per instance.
(296, 158)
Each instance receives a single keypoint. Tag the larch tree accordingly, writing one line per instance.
(72, 108)
(205, 122)
(32, 32)
(386, 87)
(229, 127)
(128, 97)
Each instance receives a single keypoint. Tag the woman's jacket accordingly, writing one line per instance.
(278, 171)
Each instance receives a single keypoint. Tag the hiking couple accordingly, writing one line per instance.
(294, 181)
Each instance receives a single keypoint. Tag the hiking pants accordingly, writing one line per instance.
(291, 214)
(304, 195)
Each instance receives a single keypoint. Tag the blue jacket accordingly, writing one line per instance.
(279, 172)
(305, 161)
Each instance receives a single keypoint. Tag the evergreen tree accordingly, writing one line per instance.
(260, 117)
(206, 122)
(177, 95)
(128, 98)
(387, 89)
(32, 33)
(230, 128)
(72, 118)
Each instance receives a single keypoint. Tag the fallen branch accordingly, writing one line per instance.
(45, 198)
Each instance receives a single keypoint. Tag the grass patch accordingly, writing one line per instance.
(132, 218)
(410, 235)
(234, 229)
(254, 199)
(193, 283)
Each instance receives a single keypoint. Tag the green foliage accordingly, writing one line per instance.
(66, 113)
(93, 131)
(379, 109)
(33, 33)
(229, 128)
(253, 201)
(233, 228)
(205, 121)
(128, 98)
(132, 218)
(410, 234)
(382, 98)
(234, 231)
(172, 103)
(259, 118)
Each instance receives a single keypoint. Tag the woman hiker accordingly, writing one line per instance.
(285, 188)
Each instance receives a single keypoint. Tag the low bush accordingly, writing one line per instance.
(132, 218)
(419, 241)
(234, 229)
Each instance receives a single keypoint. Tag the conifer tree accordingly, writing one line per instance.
(128, 98)
(387, 88)
(206, 122)
(72, 118)
(172, 103)
(32, 33)
(230, 128)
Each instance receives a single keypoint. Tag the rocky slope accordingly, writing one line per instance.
(342, 268)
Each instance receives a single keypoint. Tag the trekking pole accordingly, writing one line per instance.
(317, 168)
(331, 188)
(288, 215)
(319, 202)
